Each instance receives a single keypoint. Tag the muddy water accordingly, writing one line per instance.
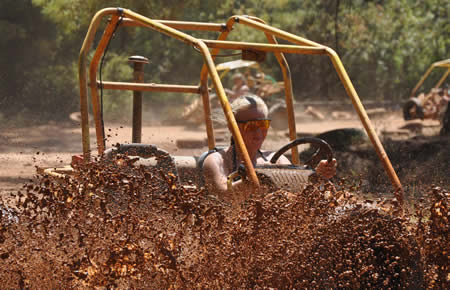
(124, 227)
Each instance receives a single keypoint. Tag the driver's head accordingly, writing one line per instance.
(251, 114)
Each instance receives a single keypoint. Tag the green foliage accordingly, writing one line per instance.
(393, 44)
(385, 46)
(117, 104)
(27, 51)
(46, 94)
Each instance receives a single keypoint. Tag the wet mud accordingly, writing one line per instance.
(118, 226)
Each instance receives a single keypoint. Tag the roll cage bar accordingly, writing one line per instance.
(444, 64)
(126, 17)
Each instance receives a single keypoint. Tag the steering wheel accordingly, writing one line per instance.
(324, 149)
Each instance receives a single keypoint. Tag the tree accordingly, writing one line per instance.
(26, 47)
(385, 46)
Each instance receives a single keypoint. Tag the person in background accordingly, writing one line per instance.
(239, 88)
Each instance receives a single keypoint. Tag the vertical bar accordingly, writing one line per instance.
(96, 109)
(288, 91)
(82, 76)
(138, 64)
(205, 95)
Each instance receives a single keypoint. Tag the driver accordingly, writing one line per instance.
(251, 114)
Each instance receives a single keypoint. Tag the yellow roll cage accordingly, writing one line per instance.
(444, 64)
(126, 17)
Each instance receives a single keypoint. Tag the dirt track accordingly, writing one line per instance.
(23, 149)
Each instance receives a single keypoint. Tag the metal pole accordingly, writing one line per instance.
(138, 63)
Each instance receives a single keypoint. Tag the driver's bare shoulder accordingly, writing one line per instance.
(215, 163)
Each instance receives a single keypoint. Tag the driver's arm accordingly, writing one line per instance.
(216, 181)
(215, 177)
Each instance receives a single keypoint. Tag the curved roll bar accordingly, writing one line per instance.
(444, 64)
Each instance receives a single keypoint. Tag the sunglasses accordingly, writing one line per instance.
(251, 125)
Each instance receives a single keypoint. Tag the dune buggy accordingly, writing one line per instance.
(433, 104)
(188, 168)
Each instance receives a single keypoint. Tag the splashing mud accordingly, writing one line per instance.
(125, 227)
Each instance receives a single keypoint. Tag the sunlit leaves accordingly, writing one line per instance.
(385, 46)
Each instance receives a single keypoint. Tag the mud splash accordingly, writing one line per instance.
(125, 227)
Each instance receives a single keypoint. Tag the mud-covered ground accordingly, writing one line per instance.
(121, 227)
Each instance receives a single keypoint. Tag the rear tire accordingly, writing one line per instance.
(413, 110)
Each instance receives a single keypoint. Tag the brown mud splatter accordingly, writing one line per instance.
(124, 227)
